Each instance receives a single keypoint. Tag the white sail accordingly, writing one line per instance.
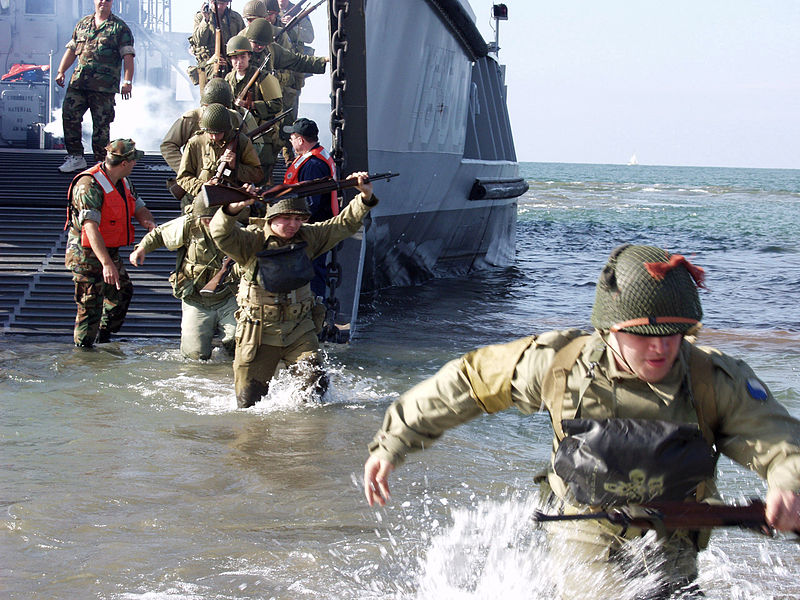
(633, 160)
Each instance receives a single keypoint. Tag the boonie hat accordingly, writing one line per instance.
(305, 127)
(123, 149)
(645, 290)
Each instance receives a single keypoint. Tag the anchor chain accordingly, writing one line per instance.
(340, 9)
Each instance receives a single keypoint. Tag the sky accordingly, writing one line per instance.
(684, 82)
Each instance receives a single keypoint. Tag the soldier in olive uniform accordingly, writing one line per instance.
(254, 9)
(203, 38)
(262, 101)
(217, 91)
(218, 146)
(199, 260)
(102, 202)
(103, 44)
(614, 396)
(279, 317)
(299, 36)
(285, 63)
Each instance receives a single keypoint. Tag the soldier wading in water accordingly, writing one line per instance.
(616, 399)
(279, 317)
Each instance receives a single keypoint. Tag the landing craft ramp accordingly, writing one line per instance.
(36, 290)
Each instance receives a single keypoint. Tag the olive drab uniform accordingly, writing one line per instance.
(100, 305)
(201, 158)
(202, 42)
(181, 131)
(274, 326)
(198, 261)
(298, 37)
(267, 101)
(579, 383)
(95, 80)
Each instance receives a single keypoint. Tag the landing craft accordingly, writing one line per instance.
(417, 91)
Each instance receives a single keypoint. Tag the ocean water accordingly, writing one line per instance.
(128, 473)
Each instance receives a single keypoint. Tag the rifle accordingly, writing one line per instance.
(670, 515)
(298, 17)
(218, 43)
(243, 94)
(256, 133)
(221, 195)
(213, 285)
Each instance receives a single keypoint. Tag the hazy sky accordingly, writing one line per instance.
(685, 82)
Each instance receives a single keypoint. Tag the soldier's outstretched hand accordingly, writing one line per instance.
(137, 257)
(376, 480)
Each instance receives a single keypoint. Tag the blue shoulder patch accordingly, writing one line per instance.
(756, 389)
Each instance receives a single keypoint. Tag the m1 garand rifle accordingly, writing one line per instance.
(218, 70)
(222, 195)
(215, 283)
(297, 17)
(670, 515)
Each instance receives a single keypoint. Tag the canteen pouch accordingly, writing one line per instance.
(182, 286)
(282, 270)
(613, 462)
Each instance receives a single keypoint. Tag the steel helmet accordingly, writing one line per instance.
(254, 9)
(647, 291)
(217, 91)
(238, 44)
(200, 209)
(215, 119)
(260, 31)
(288, 206)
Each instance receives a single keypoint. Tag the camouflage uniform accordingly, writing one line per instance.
(574, 375)
(274, 327)
(94, 81)
(201, 158)
(203, 38)
(267, 103)
(100, 305)
(181, 132)
(199, 260)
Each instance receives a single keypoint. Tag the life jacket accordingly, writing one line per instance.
(293, 171)
(588, 454)
(115, 217)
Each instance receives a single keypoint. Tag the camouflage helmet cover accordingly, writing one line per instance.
(217, 91)
(645, 290)
(254, 9)
(238, 44)
(260, 31)
(215, 119)
(288, 206)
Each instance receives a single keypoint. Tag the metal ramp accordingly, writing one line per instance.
(36, 290)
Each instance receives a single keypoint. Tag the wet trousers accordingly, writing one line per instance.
(252, 375)
(76, 103)
(99, 304)
(604, 565)
(199, 323)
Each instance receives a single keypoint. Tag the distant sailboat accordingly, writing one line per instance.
(633, 160)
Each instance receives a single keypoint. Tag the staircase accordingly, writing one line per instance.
(36, 290)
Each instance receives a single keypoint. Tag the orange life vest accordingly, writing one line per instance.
(115, 217)
(293, 171)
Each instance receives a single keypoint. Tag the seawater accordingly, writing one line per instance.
(128, 473)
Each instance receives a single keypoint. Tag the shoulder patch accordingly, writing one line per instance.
(756, 389)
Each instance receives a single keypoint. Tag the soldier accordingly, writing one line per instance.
(254, 9)
(262, 100)
(217, 147)
(203, 39)
(284, 62)
(312, 162)
(101, 204)
(103, 45)
(217, 91)
(198, 262)
(278, 315)
(614, 396)
(300, 35)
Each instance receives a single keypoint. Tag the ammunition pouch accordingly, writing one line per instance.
(258, 305)
(282, 270)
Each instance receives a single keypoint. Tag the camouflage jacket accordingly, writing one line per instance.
(99, 51)
(201, 158)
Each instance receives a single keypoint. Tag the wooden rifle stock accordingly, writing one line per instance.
(246, 89)
(215, 282)
(218, 42)
(221, 195)
(676, 515)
